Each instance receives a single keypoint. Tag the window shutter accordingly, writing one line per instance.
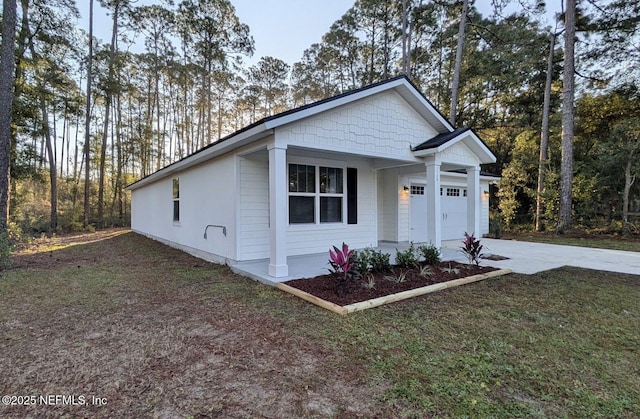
(352, 195)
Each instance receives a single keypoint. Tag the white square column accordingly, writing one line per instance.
(434, 211)
(473, 201)
(278, 211)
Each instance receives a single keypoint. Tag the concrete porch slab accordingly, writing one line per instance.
(308, 266)
(524, 257)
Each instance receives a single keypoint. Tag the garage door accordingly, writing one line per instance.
(454, 213)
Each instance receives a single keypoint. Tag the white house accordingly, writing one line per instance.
(376, 164)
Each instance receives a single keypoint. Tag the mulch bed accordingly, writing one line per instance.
(324, 286)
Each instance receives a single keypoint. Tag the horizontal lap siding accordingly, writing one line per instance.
(207, 194)
(254, 210)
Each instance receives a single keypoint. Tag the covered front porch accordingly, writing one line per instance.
(381, 205)
(308, 266)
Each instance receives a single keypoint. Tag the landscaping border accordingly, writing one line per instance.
(363, 305)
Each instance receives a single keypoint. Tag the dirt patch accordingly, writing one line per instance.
(495, 257)
(386, 283)
(158, 333)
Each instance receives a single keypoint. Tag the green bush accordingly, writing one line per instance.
(380, 261)
(5, 250)
(430, 253)
(362, 260)
(407, 259)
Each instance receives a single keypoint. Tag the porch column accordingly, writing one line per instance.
(278, 211)
(434, 213)
(473, 201)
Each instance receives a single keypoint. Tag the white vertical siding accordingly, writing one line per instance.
(389, 210)
(403, 209)
(253, 233)
(484, 211)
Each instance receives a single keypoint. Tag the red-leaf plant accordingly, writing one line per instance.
(342, 263)
(472, 248)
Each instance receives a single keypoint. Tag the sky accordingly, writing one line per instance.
(280, 28)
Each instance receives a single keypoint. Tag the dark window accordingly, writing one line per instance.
(176, 210)
(309, 190)
(176, 199)
(330, 210)
(302, 209)
(330, 180)
(417, 190)
(302, 178)
(352, 196)
(453, 192)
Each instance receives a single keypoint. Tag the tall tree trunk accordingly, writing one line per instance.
(456, 72)
(51, 155)
(566, 167)
(628, 183)
(6, 104)
(46, 128)
(405, 47)
(544, 133)
(372, 52)
(107, 108)
(64, 139)
(87, 123)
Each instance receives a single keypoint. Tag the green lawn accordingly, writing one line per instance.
(630, 243)
(158, 333)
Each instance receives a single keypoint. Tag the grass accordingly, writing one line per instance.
(615, 242)
(159, 333)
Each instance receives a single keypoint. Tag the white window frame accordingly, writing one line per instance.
(317, 164)
(175, 199)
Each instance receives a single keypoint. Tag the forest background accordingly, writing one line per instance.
(88, 117)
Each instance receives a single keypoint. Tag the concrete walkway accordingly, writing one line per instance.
(524, 257)
(530, 258)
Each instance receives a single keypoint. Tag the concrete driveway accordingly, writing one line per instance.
(530, 258)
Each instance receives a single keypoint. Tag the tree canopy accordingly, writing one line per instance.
(174, 78)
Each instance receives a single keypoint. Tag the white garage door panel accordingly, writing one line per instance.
(453, 204)
(454, 213)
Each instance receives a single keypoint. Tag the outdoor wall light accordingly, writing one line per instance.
(405, 188)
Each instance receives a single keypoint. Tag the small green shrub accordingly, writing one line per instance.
(425, 271)
(380, 261)
(362, 260)
(430, 253)
(397, 277)
(407, 259)
(450, 270)
(495, 225)
(369, 283)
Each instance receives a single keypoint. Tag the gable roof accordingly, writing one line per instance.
(440, 139)
(443, 141)
(264, 127)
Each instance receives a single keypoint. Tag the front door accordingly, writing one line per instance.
(418, 214)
